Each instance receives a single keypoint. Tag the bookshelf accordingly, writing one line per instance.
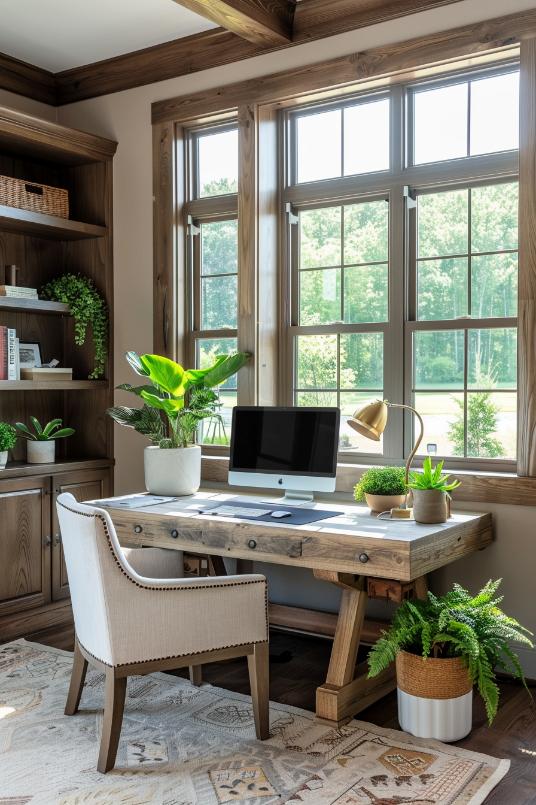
(44, 247)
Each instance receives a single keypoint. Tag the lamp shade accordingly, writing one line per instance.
(371, 420)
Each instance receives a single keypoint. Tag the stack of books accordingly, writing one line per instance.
(9, 354)
(18, 292)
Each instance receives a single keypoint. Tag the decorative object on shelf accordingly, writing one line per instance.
(8, 439)
(18, 292)
(41, 442)
(88, 308)
(431, 498)
(10, 275)
(370, 421)
(442, 647)
(29, 355)
(383, 488)
(34, 196)
(46, 374)
(176, 401)
(9, 354)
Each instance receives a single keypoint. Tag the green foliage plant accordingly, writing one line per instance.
(431, 478)
(88, 309)
(175, 399)
(457, 625)
(51, 431)
(381, 481)
(8, 436)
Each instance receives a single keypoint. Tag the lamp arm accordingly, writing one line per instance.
(419, 439)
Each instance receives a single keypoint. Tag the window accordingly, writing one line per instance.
(213, 262)
(401, 236)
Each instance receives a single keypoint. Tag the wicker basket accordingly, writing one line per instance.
(34, 197)
(432, 678)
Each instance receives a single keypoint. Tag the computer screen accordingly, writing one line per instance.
(290, 441)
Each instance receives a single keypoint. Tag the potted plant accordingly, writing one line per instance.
(382, 488)
(8, 438)
(442, 647)
(41, 444)
(431, 490)
(175, 400)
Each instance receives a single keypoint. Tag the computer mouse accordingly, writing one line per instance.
(279, 514)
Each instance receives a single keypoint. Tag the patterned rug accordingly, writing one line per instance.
(182, 745)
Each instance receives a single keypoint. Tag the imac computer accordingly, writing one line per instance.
(292, 449)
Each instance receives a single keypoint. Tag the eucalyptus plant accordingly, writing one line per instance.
(457, 625)
(47, 433)
(432, 478)
(175, 399)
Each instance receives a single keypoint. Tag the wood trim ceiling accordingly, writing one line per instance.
(268, 30)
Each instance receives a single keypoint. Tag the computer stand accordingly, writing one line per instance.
(293, 498)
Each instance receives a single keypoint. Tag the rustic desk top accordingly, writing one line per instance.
(354, 542)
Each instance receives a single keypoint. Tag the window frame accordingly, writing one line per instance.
(399, 183)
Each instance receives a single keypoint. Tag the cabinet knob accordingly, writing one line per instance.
(174, 533)
(57, 539)
(363, 557)
(252, 544)
(138, 529)
(47, 542)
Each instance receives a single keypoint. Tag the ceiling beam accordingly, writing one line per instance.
(25, 79)
(263, 22)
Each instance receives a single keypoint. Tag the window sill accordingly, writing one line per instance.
(481, 487)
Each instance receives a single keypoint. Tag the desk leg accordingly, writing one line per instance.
(342, 696)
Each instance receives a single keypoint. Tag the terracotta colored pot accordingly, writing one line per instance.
(382, 503)
(430, 506)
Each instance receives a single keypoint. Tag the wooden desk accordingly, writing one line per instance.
(349, 551)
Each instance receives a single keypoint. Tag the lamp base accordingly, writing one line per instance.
(402, 514)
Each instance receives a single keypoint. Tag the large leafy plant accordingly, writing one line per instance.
(431, 478)
(175, 399)
(457, 625)
(381, 481)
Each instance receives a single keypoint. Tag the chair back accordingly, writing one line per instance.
(93, 562)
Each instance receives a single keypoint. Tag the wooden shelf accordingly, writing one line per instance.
(20, 469)
(37, 224)
(22, 305)
(52, 385)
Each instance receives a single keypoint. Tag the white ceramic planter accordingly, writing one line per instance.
(176, 471)
(3, 459)
(442, 719)
(41, 452)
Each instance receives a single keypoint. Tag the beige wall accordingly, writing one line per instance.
(125, 117)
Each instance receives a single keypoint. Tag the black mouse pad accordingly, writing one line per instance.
(299, 515)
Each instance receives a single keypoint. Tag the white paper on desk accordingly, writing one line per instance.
(135, 502)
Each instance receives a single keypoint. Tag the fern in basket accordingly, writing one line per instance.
(457, 625)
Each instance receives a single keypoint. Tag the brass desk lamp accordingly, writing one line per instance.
(370, 421)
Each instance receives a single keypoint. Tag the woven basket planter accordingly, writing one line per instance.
(435, 697)
(33, 196)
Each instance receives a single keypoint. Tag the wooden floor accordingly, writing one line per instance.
(298, 665)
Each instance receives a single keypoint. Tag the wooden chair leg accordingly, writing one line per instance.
(115, 690)
(196, 674)
(259, 675)
(78, 676)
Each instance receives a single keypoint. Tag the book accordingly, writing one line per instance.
(11, 354)
(3, 352)
(18, 292)
(17, 358)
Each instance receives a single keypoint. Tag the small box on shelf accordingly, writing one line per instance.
(46, 374)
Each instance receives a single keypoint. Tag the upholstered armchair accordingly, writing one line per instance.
(127, 623)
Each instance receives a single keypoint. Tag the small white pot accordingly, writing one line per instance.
(175, 471)
(41, 452)
(3, 459)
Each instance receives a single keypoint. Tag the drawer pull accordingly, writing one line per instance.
(138, 529)
(174, 533)
(252, 544)
(363, 557)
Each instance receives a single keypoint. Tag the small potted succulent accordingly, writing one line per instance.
(431, 493)
(443, 647)
(382, 488)
(8, 438)
(41, 442)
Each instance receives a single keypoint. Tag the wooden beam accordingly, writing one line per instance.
(26, 79)
(263, 22)
(313, 19)
(378, 63)
(526, 428)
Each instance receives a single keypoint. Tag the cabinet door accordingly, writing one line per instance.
(24, 543)
(84, 485)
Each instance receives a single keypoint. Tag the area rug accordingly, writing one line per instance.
(182, 745)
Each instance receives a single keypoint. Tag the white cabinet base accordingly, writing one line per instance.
(442, 719)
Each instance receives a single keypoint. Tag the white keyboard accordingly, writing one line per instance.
(236, 511)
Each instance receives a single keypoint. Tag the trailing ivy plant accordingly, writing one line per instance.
(457, 625)
(88, 309)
